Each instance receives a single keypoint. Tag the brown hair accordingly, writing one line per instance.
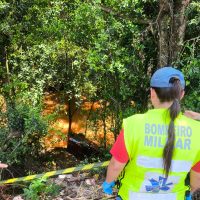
(196, 194)
(166, 95)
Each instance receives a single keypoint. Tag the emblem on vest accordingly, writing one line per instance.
(157, 185)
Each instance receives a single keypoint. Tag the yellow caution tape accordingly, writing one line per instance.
(53, 173)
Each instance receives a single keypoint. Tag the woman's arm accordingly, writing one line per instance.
(192, 114)
(114, 169)
(117, 163)
(194, 180)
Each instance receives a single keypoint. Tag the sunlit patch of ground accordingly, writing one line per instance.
(81, 123)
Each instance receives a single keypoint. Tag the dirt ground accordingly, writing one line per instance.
(76, 186)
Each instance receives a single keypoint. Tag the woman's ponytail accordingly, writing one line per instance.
(174, 111)
(169, 146)
(170, 94)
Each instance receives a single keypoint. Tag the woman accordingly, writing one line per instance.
(155, 151)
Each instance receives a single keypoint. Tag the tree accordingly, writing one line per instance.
(171, 23)
(103, 50)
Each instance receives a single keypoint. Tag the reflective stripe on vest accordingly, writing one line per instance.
(147, 196)
(157, 163)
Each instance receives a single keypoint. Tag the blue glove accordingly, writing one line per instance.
(107, 187)
(188, 197)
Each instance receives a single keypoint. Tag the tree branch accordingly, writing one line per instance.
(121, 15)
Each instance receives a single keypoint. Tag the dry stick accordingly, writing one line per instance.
(109, 197)
(80, 188)
(69, 198)
(74, 179)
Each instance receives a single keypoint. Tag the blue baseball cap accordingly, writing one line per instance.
(161, 78)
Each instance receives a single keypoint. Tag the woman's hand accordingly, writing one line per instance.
(2, 165)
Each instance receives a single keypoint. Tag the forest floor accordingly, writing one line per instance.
(81, 185)
(76, 186)
(72, 187)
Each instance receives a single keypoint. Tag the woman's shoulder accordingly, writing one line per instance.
(138, 116)
(190, 121)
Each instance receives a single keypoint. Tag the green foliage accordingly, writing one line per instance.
(21, 133)
(192, 76)
(41, 189)
(189, 59)
(103, 50)
(193, 14)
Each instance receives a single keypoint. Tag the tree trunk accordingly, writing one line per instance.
(171, 22)
(163, 33)
(178, 28)
(70, 115)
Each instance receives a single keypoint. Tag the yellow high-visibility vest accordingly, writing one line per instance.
(145, 137)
